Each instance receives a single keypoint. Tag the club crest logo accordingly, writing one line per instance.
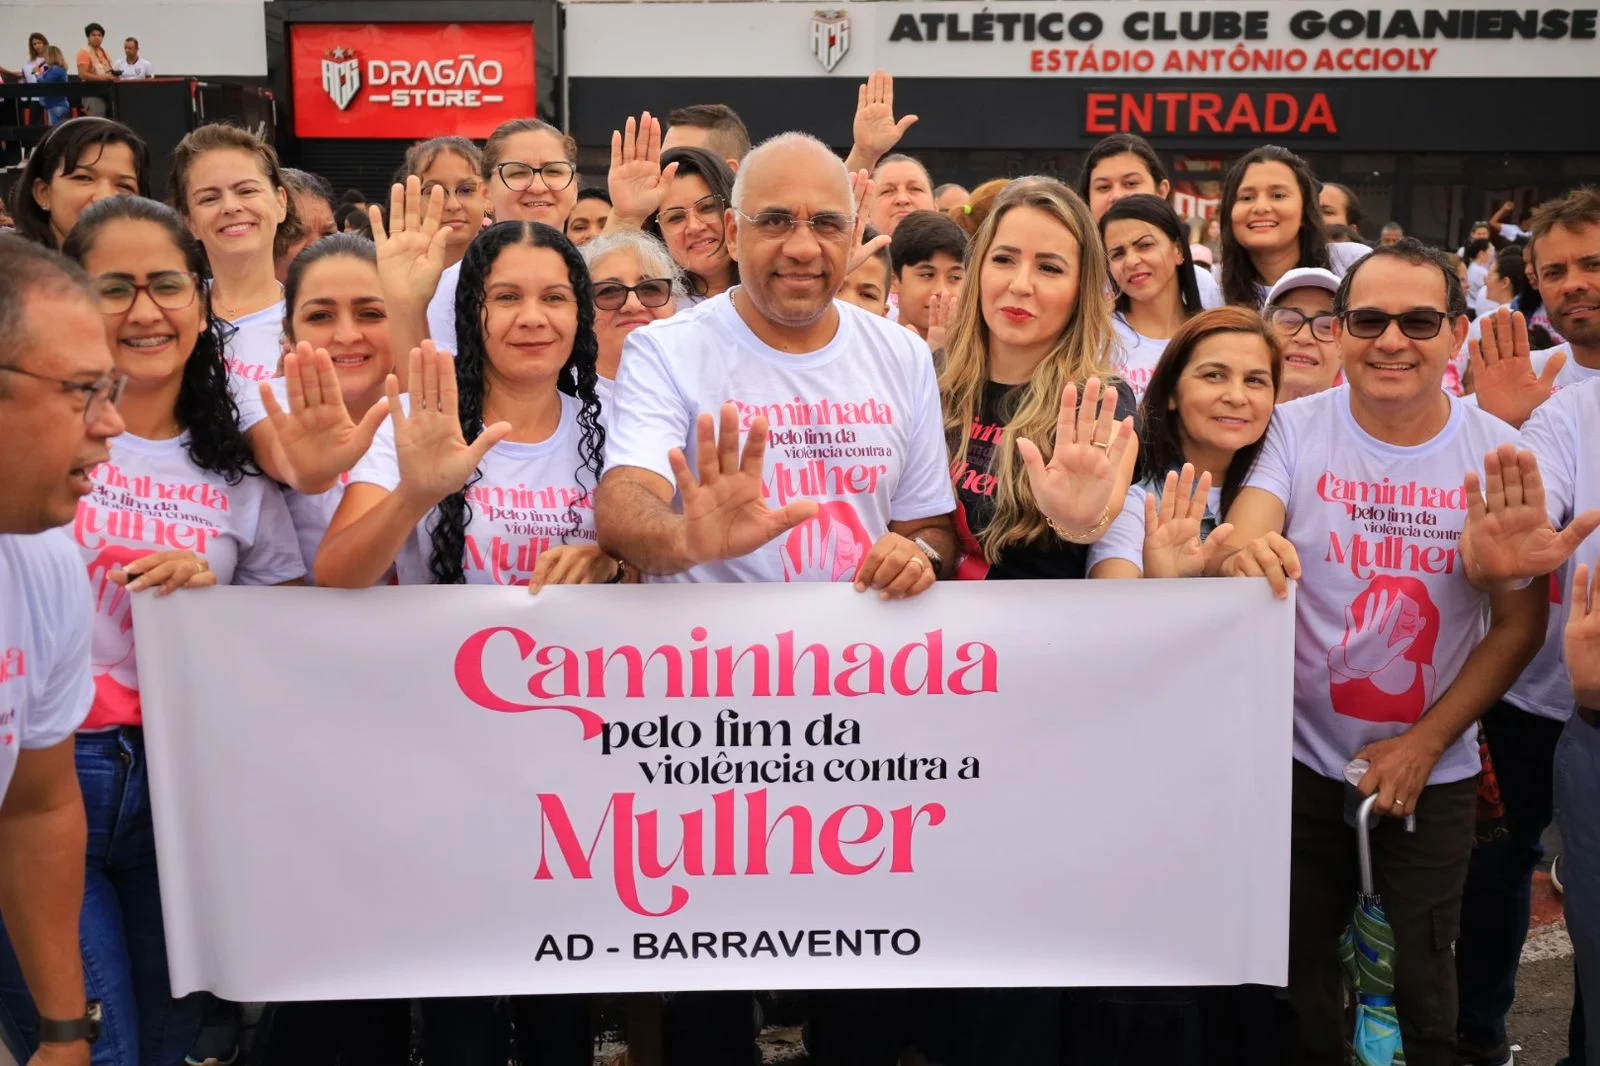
(830, 37)
(341, 76)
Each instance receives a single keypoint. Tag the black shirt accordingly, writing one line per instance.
(1049, 557)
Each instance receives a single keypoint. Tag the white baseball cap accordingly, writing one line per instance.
(1200, 255)
(1303, 278)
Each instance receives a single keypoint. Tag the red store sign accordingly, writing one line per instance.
(410, 80)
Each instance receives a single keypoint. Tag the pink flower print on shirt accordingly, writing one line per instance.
(116, 677)
(830, 547)
(1383, 669)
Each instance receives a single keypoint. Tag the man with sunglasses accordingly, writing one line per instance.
(58, 388)
(1358, 492)
(855, 486)
(1299, 309)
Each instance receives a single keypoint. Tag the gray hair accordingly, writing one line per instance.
(793, 138)
(654, 259)
(25, 269)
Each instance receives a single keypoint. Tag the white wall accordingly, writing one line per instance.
(186, 37)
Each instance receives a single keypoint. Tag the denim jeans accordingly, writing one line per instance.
(121, 933)
(1494, 907)
(1577, 795)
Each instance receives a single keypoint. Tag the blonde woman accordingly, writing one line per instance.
(1039, 476)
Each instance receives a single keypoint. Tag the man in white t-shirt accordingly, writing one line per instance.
(130, 67)
(1360, 490)
(57, 411)
(844, 475)
(1558, 408)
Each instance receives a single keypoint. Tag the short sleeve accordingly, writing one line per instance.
(273, 554)
(1274, 469)
(380, 466)
(247, 397)
(1551, 435)
(924, 489)
(650, 416)
(442, 311)
(1210, 292)
(1125, 538)
(64, 703)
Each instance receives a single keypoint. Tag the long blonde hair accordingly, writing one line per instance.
(1082, 351)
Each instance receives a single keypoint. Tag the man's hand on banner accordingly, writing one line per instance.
(1271, 557)
(725, 513)
(572, 564)
(897, 568)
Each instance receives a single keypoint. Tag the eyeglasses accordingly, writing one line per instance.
(170, 290)
(1289, 321)
(708, 209)
(101, 392)
(830, 226)
(518, 177)
(1419, 323)
(463, 192)
(652, 292)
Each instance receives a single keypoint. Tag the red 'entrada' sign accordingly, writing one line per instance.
(411, 80)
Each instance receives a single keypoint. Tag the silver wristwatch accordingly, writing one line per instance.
(933, 555)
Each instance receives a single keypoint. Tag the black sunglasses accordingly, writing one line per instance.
(652, 292)
(1419, 323)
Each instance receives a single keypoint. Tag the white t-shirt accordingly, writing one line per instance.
(45, 612)
(1136, 355)
(1210, 292)
(150, 497)
(442, 310)
(1544, 688)
(133, 71)
(1559, 435)
(855, 425)
(256, 346)
(1342, 255)
(1376, 525)
(529, 497)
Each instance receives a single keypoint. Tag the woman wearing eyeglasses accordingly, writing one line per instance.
(1154, 273)
(635, 283)
(178, 505)
(532, 173)
(1299, 309)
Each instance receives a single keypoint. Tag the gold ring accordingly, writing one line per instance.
(1398, 802)
(918, 561)
(1101, 444)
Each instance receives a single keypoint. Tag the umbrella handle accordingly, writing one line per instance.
(1364, 839)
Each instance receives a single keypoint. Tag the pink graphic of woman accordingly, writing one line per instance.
(829, 547)
(116, 674)
(1383, 669)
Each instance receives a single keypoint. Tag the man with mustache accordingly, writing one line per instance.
(58, 389)
(1531, 728)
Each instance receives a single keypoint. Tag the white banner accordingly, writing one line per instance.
(471, 791)
(1182, 40)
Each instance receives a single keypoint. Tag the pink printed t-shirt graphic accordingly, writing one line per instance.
(1383, 669)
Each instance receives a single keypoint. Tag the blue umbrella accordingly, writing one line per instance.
(1367, 951)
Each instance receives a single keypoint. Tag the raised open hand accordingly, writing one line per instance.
(636, 181)
(862, 249)
(875, 129)
(411, 251)
(1582, 636)
(434, 457)
(1387, 628)
(1502, 372)
(318, 437)
(1074, 489)
(1172, 544)
(725, 512)
(1508, 537)
(941, 306)
(816, 554)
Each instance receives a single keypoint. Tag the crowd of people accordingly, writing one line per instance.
(1070, 390)
(47, 64)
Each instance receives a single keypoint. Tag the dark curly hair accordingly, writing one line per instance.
(577, 378)
(204, 408)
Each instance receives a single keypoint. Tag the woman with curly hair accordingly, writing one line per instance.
(178, 504)
(486, 476)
